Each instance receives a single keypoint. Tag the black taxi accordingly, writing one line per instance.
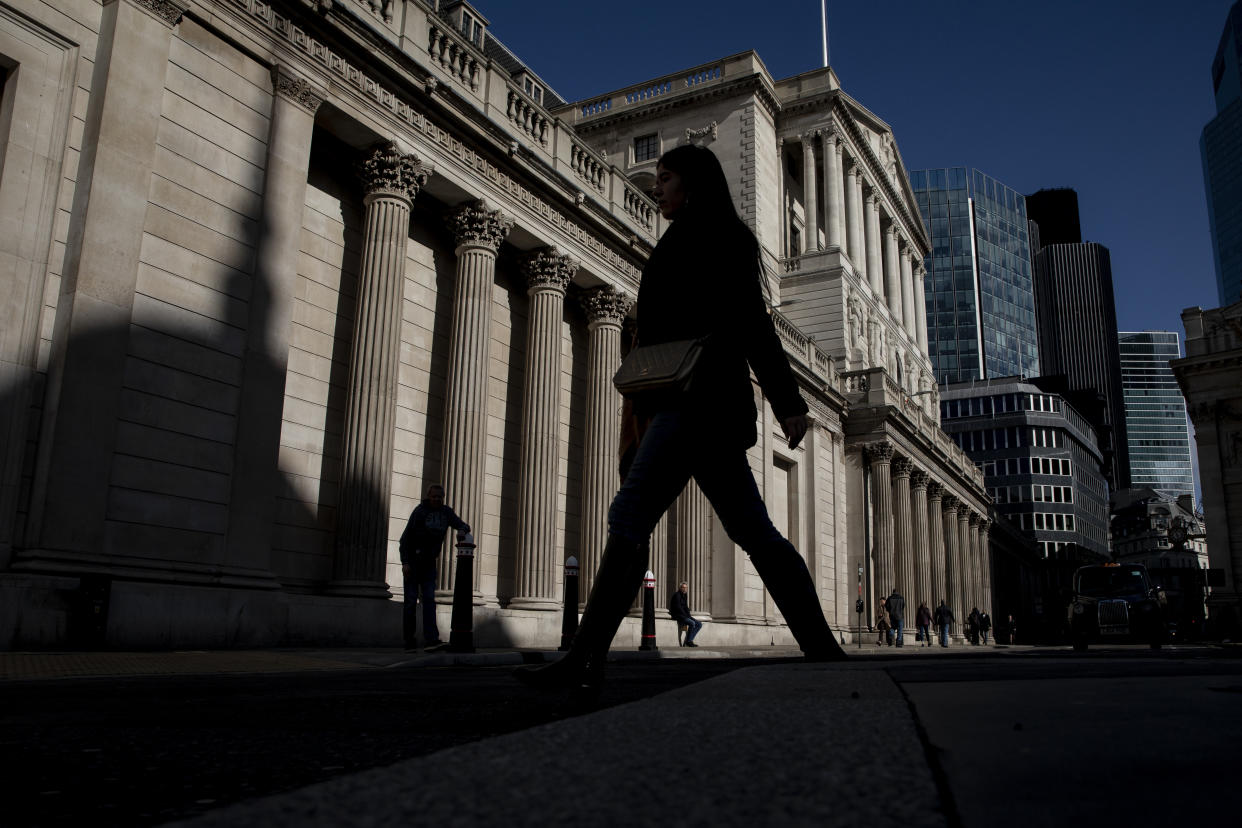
(1116, 603)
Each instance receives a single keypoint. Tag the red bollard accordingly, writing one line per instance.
(569, 622)
(649, 636)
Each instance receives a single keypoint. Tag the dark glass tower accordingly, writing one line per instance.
(1056, 213)
(1156, 429)
(1221, 149)
(980, 305)
(1078, 343)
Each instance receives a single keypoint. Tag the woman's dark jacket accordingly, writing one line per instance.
(703, 279)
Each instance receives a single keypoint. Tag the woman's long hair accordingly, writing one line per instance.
(708, 198)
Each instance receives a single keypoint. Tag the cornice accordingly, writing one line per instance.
(752, 82)
(393, 103)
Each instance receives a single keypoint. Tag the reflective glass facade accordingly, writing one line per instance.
(1156, 429)
(1220, 147)
(980, 301)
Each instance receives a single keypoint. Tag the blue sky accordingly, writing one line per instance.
(1105, 96)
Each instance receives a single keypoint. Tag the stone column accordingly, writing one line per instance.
(391, 180)
(909, 312)
(985, 568)
(875, 266)
(694, 544)
(920, 307)
(880, 457)
(256, 473)
(90, 344)
(548, 274)
(605, 309)
(976, 576)
(809, 193)
(479, 231)
(964, 557)
(919, 538)
(892, 275)
(834, 192)
(854, 218)
(935, 528)
(953, 562)
(902, 551)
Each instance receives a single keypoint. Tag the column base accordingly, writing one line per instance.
(537, 604)
(359, 589)
(71, 563)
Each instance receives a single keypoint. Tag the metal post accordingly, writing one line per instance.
(649, 636)
(569, 622)
(461, 636)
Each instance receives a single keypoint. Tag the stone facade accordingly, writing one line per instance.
(1210, 376)
(279, 267)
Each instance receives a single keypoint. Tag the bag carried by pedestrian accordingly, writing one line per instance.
(665, 368)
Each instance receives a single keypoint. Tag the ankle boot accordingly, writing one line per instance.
(785, 575)
(621, 570)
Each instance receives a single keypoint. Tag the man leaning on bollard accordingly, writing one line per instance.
(679, 608)
(420, 549)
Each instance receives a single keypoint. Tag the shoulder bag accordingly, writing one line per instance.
(666, 368)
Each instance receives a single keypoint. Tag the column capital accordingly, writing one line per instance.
(477, 224)
(919, 479)
(168, 12)
(292, 86)
(903, 244)
(974, 518)
(605, 305)
(984, 523)
(891, 231)
(851, 171)
(902, 466)
(808, 138)
(949, 503)
(881, 452)
(387, 171)
(869, 199)
(935, 490)
(549, 269)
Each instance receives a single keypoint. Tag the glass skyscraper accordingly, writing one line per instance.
(980, 301)
(1221, 149)
(1156, 428)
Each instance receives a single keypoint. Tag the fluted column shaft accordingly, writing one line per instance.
(854, 216)
(605, 309)
(985, 557)
(920, 308)
(834, 192)
(976, 569)
(935, 528)
(909, 312)
(694, 546)
(902, 547)
(875, 266)
(548, 274)
(919, 539)
(391, 180)
(892, 275)
(880, 457)
(953, 562)
(809, 194)
(963, 572)
(479, 231)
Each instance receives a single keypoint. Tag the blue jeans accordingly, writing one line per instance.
(925, 634)
(693, 627)
(898, 628)
(676, 447)
(944, 635)
(419, 589)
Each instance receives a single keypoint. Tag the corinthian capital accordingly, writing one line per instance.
(295, 88)
(974, 519)
(919, 478)
(605, 305)
(881, 452)
(477, 224)
(902, 466)
(389, 172)
(949, 503)
(935, 490)
(548, 269)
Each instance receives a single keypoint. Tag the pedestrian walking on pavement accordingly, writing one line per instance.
(897, 615)
(703, 281)
(679, 608)
(972, 626)
(985, 625)
(1012, 629)
(923, 619)
(881, 625)
(420, 550)
(944, 621)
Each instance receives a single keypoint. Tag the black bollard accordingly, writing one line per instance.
(569, 623)
(649, 638)
(461, 638)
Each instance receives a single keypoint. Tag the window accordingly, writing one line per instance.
(646, 147)
(532, 89)
(472, 28)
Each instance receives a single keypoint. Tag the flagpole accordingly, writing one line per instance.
(823, 22)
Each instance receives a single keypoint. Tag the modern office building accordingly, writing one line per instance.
(1040, 462)
(1220, 147)
(980, 304)
(1157, 434)
(1077, 322)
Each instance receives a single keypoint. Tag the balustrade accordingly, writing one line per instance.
(528, 117)
(587, 166)
(639, 207)
(453, 55)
